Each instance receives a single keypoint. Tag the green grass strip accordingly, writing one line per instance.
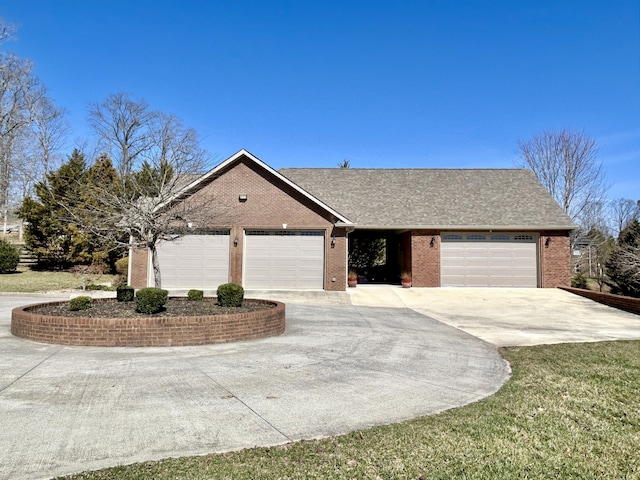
(569, 411)
(27, 281)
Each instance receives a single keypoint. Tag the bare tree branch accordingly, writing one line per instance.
(567, 165)
(157, 158)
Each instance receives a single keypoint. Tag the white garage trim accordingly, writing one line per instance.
(283, 260)
(193, 261)
(487, 259)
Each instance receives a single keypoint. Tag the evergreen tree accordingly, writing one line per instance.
(52, 231)
(623, 265)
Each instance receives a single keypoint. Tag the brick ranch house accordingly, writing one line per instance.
(290, 229)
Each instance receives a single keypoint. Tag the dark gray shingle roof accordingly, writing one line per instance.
(434, 198)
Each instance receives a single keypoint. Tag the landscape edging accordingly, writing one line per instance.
(147, 331)
(628, 304)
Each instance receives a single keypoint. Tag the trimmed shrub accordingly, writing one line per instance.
(579, 281)
(195, 295)
(230, 295)
(125, 293)
(9, 257)
(122, 266)
(80, 303)
(151, 300)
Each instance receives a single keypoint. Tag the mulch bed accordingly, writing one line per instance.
(175, 307)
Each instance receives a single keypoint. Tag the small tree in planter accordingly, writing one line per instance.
(352, 278)
(405, 279)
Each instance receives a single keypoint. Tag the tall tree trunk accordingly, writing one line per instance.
(156, 265)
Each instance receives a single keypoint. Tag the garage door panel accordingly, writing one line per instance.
(472, 260)
(284, 260)
(194, 261)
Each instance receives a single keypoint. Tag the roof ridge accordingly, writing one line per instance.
(383, 169)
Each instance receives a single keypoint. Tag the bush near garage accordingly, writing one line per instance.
(151, 300)
(230, 295)
(9, 257)
(195, 295)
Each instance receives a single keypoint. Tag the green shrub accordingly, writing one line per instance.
(195, 295)
(151, 300)
(230, 295)
(9, 257)
(579, 281)
(122, 266)
(80, 303)
(124, 293)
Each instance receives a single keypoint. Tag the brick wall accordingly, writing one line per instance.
(555, 259)
(425, 258)
(270, 203)
(336, 260)
(628, 304)
(139, 260)
(150, 331)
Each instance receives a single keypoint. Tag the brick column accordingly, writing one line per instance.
(336, 260)
(425, 258)
(138, 263)
(555, 259)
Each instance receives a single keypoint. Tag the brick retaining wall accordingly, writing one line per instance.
(147, 331)
(628, 304)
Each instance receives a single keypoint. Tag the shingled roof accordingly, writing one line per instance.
(510, 199)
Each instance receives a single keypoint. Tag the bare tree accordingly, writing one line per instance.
(124, 128)
(567, 165)
(31, 127)
(159, 158)
(7, 30)
(622, 211)
(17, 85)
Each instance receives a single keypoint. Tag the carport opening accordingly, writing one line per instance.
(377, 256)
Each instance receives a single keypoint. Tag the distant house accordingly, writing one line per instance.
(290, 229)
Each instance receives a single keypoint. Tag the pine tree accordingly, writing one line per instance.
(52, 231)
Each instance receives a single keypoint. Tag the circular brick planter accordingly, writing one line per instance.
(147, 331)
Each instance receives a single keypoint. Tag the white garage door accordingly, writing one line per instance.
(194, 261)
(284, 260)
(488, 260)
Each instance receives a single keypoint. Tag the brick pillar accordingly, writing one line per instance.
(425, 258)
(235, 255)
(138, 263)
(336, 260)
(555, 260)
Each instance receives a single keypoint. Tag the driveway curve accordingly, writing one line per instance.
(337, 368)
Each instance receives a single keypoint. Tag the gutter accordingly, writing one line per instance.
(486, 228)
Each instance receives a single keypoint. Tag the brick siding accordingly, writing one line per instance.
(425, 258)
(555, 259)
(270, 203)
(628, 304)
(147, 331)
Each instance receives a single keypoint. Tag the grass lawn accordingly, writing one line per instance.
(569, 411)
(26, 280)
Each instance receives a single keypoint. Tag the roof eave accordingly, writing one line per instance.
(502, 228)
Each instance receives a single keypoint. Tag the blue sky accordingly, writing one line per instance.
(429, 83)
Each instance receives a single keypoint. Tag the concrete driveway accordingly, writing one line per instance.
(510, 316)
(337, 368)
(370, 356)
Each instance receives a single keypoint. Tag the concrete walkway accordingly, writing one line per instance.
(341, 365)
